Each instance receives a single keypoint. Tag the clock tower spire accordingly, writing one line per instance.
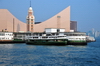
(30, 3)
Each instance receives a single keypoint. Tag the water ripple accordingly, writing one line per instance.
(32, 55)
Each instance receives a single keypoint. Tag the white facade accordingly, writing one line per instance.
(61, 34)
(76, 38)
(53, 30)
(50, 30)
(71, 30)
(6, 36)
(61, 30)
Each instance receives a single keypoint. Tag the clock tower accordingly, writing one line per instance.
(30, 20)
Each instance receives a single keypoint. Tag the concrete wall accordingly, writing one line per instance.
(52, 22)
(8, 21)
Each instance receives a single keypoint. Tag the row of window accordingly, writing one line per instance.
(77, 38)
(4, 38)
(50, 37)
(75, 34)
(30, 19)
(30, 22)
(2, 34)
(6, 34)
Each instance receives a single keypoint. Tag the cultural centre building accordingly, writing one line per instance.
(10, 23)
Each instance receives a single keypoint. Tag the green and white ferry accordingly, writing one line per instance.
(52, 37)
(47, 40)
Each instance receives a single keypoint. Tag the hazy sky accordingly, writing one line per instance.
(85, 12)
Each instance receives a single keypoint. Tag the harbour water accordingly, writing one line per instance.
(38, 55)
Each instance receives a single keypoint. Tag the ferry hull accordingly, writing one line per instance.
(47, 43)
(6, 41)
(77, 43)
(18, 41)
(42, 42)
(12, 41)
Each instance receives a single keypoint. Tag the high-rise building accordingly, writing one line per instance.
(73, 25)
(30, 20)
(93, 31)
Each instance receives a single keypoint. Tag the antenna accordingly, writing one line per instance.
(30, 3)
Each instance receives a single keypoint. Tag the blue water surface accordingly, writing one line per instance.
(38, 55)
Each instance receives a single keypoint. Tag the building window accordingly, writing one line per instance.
(31, 19)
(58, 16)
(31, 22)
(31, 25)
(28, 22)
(30, 13)
(27, 19)
(31, 28)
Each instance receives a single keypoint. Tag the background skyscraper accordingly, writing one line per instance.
(73, 25)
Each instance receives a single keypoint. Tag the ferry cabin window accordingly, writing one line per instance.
(75, 34)
(2, 38)
(61, 36)
(7, 38)
(83, 38)
(35, 37)
(44, 37)
(54, 37)
(10, 34)
(2, 34)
